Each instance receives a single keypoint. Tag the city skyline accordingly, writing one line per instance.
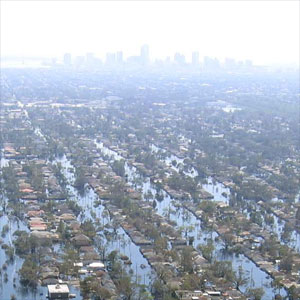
(117, 59)
(265, 32)
(144, 57)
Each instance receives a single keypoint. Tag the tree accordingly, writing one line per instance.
(118, 167)
(143, 294)
(286, 263)
(80, 181)
(10, 252)
(293, 293)
(125, 286)
(61, 227)
(25, 244)
(191, 282)
(85, 286)
(298, 215)
(158, 289)
(186, 260)
(29, 273)
(228, 240)
(222, 269)
(240, 278)
(255, 294)
(88, 228)
(101, 293)
(287, 231)
(277, 284)
(112, 257)
(209, 207)
(148, 195)
(207, 250)
(256, 217)
(160, 244)
(69, 258)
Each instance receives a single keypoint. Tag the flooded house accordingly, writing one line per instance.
(58, 291)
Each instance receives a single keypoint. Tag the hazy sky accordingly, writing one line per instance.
(264, 31)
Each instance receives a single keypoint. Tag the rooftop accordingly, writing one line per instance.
(58, 288)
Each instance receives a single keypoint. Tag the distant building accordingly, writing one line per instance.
(179, 59)
(119, 57)
(211, 64)
(168, 60)
(67, 59)
(79, 61)
(58, 291)
(110, 59)
(230, 64)
(145, 58)
(195, 59)
(134, 60)
(90, 59)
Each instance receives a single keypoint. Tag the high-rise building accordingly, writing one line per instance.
(230, 63)
(67, 59)
(119, 57)
(211, 64)
(110, 59)
(79, 61)
(195, 59)
(179, 59)
(145, 58)
(90, 59)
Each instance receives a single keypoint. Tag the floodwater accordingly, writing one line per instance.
(191, 226)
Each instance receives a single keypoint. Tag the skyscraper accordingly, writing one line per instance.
(119, 57)
(195, 59)
(211, 64)
(67, 59)
(79, 61)
(110, 59)
(90, 59)
(230, 64)
(179, 58)
(145, 54)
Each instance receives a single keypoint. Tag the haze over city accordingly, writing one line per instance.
(266, 32)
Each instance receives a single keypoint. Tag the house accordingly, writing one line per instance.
(45, 235)
(89, 257)
(67, 217)
(95, 266)
(81, 240)
(49, 272)
(74, 226)
(86, 249)
(58, 291)
(35, 213)
(188, 295)
(37, 224)
(38, 227)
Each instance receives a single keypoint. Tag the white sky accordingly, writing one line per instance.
(264, 31)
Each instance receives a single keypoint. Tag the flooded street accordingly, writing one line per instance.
(192, 226)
